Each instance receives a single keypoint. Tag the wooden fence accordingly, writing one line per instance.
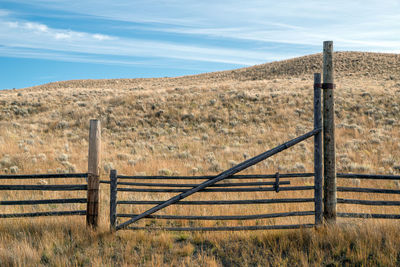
(91, 186)
(370, 191)
(63, 187)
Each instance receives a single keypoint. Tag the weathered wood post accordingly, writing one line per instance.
(113, 199)
(317, 150)
(329, 135)
(92, 211)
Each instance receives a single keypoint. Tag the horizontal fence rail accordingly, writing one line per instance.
(194, 185)
(45, 176)
(226, 228)
(46, 213)
(369, 202)
(368, 176)
(368, 215)
(238, 217)
(207, 177)
(44, 187)
(221, 202)
(44, 201)
(251, 189)
(367, 190)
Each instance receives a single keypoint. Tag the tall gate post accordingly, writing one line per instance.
(329, 135)
(317, 150)
(113, 199)
(92, 211)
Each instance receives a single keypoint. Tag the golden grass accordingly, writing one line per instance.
(64, 242)
(201, 125)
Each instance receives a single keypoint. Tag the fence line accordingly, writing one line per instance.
(80, 187)
(368, 190)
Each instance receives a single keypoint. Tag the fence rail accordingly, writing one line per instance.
(44, 201)
(226, 228)
(44, 176)
(219, 202)
(214, 185)
(368, 176)
(368, 215)
(368, 190)
(368, 202)
(232, 217)
(208, 177)
(46, 213)
(44, 187)
(251, 189)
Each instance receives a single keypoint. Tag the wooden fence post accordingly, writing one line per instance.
(113, 199)
(329, 135)
(317, 150)
(92, 211)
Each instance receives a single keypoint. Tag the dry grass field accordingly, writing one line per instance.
(200, 125)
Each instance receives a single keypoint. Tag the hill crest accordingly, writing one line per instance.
(347, 64)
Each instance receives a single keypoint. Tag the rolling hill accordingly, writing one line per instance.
(203, 124)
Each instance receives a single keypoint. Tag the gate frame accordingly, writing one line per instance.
(316, 132)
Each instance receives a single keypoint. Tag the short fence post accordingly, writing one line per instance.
(329, 135)
(317, 150)
(92, 211)
(113, 199)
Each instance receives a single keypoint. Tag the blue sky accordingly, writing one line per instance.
(51, 40)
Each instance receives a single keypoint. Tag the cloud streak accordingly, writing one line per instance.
(30, 35)
(353, 25)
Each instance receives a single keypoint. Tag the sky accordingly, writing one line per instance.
(52, 40)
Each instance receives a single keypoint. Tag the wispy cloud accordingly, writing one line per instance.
(30, 35)
(4, 13)
(353, 25)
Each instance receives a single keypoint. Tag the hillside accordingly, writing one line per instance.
(199, 125)
(224, 113)
(347, 64)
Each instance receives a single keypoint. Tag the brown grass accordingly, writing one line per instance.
(202, 125)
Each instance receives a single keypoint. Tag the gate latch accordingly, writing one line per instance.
(276, 185)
